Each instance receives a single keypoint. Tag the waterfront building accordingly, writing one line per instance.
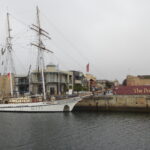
(101, 84)
(91, 80)
(21, 84)
(106, 84)
(79, 81)
(5, 90)
(134, 85)
(139, 80)
(56, 82)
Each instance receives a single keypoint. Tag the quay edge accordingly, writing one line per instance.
(130, 103)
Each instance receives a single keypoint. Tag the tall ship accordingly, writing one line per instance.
(30, 103)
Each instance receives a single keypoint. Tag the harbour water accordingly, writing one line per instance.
(75, 131)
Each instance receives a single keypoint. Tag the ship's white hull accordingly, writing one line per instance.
(55, 106)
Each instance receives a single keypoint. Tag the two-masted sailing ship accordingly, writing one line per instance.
(28, 105)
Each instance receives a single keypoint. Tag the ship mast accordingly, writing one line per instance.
(9, 68)
(41, 48)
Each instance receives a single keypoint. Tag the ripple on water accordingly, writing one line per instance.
(72, 131)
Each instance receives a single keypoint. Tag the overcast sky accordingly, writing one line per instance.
(112, 35)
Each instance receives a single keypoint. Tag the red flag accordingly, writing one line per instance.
(87, 67)
(8, 75)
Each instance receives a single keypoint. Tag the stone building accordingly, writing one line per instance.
(5, 90)
(56, 81)
(20, 85)
(137, 80)
(91, 80)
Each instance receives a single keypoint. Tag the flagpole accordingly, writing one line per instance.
(87, 71)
